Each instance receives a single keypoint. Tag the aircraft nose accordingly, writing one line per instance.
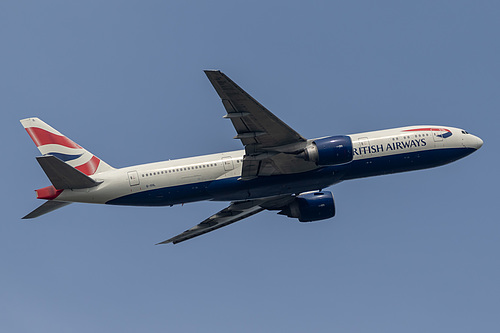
(475, 142)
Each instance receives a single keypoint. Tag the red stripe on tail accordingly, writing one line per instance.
(90, 167)
(42, 137)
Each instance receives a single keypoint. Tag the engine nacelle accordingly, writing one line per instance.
(330, 151)
(310, 207)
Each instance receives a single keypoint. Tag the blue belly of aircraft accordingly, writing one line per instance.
(232, 189)
(384, 165)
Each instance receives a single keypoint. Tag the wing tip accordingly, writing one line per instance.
(213, 72)
(165, 242)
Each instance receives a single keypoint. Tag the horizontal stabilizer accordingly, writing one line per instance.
(45, 208)
(62, 175)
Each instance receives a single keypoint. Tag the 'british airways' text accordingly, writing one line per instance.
(363, 150)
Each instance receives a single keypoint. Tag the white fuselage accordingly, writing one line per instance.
(215, 176)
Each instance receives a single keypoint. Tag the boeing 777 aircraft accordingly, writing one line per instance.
(278, 170)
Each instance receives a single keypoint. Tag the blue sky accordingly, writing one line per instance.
(413, 252)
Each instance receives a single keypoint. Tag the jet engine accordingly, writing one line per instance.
(332, 150)
(308, 207)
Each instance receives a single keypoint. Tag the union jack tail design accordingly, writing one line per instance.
(51, 142)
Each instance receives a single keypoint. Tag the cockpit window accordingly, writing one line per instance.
(465, 132)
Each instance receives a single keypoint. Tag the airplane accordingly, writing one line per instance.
(278, 169)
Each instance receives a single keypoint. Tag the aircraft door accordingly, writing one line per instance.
(228, 163)
(438, 139)
(363, 146)
(133, 178)
(436, 136)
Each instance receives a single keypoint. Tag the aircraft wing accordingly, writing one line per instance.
(264, 135)
(254, 124)
(235, 212)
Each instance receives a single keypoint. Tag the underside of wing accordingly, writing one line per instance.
(270, 144)
(254, 124)
(235, 212)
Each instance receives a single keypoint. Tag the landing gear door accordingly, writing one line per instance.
(133, 178)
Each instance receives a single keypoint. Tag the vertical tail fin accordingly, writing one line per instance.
(51, 142)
